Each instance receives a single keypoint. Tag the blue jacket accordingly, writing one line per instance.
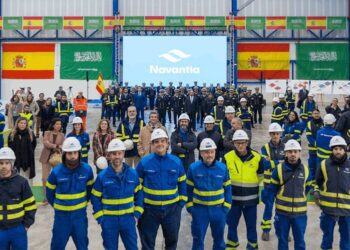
(117, 194)
(63, 109)
(140, 100)
(277, 114)
(84, 140)
(69, 190)
(292, 131)
(124, 133)
(306, 109)
(245, 115)
(163, 179)
(208, 185)
(2, 127)
(311, 132)
(223, 127)
(324, 136)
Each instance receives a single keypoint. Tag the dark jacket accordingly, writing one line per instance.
(343, 126)
(193, 107)
(124, 133)
(336, 112)
(47, 114)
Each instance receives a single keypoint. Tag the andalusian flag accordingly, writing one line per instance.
(276, 22)
(28, 61)
(100, 86)
(316, 22)
(73, 22)
(33, 22)
(263, 60)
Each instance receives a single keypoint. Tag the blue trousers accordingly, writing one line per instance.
(202, 216)
(169, 219)
(283, 224)
(327, 225)
(312, 162)
(233, 217)
(266, 222)
(68, 224)
(113, 226)
(14, 238)
(111, 112)
(140, 111)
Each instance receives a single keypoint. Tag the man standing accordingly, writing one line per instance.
(308, 106)
(151, 94)
(126, 101)
(258, 105)
(277, 112)
(41, 102)
(218, 111)
(191, 107)
(60, 92)
(343, 125)
(225, 124)
(290, 99)
(164, 185)
(303, 94)
(245, 114)
(112, 103)
(177, 103)
(140, 102)
(63, 110)
(161, 106)
(80, 104)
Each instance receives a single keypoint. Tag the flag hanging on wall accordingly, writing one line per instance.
(263, 61)
(28, 61)
(100, 86)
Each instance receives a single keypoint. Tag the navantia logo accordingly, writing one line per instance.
(175, 55)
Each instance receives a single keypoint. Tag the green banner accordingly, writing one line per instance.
(255, 23)
(134, 23)
(296, 23)
(12, 23)
(215, 21)
(175, 21)
(53, 23)
(336, 23)
(320, 61)
(77, 59)
(93, 22)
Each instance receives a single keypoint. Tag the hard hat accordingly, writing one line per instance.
(209, 119)
(243, 100)
(129, 144)
(288, 88)
(71, 144)
(292, 145)
(281, 96)
(240, 135)
(229, 109)
(207, 144)
(220, 98)
(116, 145)
(77, 120)
(275, 127)
(101, 162)
(7, 154)
(158, 133)
(275, 99)
(337, 141)
(311, 94)
(329, 119)
(184, 116)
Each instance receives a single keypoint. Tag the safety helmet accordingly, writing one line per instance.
(275, 127)
(311, 95)
(77, 120)
(116, 145)
(292, 145)
(209, 119)
(101, 162)
(158, 133)
(220, 98)
(7, 154)
(240, 135)
(207, 144)
(243, 100)
(329, 119)
(184, 116)
(337, 141)
(275, 99)
(229, 109)
(281, 96)
(71, 144)
(129, 144)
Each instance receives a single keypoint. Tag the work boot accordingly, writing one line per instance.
(265, 236)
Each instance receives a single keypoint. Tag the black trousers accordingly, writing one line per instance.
(176, 116)
(192, 120)
(257, 110)
(162, 114)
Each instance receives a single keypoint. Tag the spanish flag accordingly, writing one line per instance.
(73, 22)
(109, 22)
(1, 23)
(316, 22)
(100, 86)
(263, 60)
(28, 61)
(154, 22)
(32, 22)
(276, 22)
(240, 22)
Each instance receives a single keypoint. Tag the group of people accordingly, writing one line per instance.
(141, 186)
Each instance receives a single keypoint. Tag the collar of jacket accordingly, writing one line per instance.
(279, 144)
(246, 157)
(159, 157)
(158, 125)
(111, 171)
(14, 173)
(292, 167)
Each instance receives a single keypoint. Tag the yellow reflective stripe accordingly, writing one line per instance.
(70, 208)
(138, 209)
(188, 182)
(118, 201)
(208, 193)
(30, 208)
(1, 217)
(29, 200)
(119, 212)
(98, 214)
(267, 148)
(189, 204)
(182, 197)
(138, 188)
(70, 196)
(234, 244)
(228, 205)
(208, 203)
(90, 182)
(15, 216)
(1, 208)
(324, 150)
(14, 206)
(334, 204)
(254, 245)
(84, 148)
(181, 156)
(182, 178)
(288, 199)
(135, 140)
(50, 186)
(227, 183)
(291, 209)
(274, 182)
(96, 193)
(322, 156)
(159, 192)
(323, 169)
(84, 155)
(161, 203)
(141, 180)
(335, 195)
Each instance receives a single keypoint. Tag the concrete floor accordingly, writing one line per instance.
(40, 233)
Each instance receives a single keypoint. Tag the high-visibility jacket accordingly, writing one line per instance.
(63, 109)
(124, 133)
(224, 126)
(163, 179)
(307, 108)
(112, 100)
(84, 140)
(311, 133)
(218, 113)
(245, 114)
(245, 173)
(68, 189)
(80, 104)
(324, 136)
(333, 184)
(285, 110)
(290, 99)
(292, 130)
(276, 154)
(117, 194)
(277, 114)
(208, 185)
(28, 116)
(2, 127)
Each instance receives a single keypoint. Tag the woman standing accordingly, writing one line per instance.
(22, 141)
(53, 140)
(101, 139)
(83, 137)
(33, 107)
(14, 109)
(292, 128)
(47, 113)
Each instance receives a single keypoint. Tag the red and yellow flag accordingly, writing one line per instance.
(316, 22)
(73, 22)
(1, 23)
(276, 22)
(194, 21)
(154, 22)
(229, 21)
(239, 22)
(28, 61)
(33, 22)
(100, 85)
(263, 60)
(109, 22)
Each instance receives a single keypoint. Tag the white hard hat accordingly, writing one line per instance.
(207, 144)
(184, 116)
(71, 144)
(292, 145)
(281, 96)
(7, 154)
(158, 133)
(311, 94)
(275, 127)
(329, 119)
(288, 88)
(101, 162)
(220, 98)
(240, 135)
(77, 120)
(229, 109)
(116, 145)
(129, 144)
(243, 100)
(337, 141)
(209, 119)
(275, 99)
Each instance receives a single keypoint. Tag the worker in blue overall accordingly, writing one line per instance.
(83, 137)
(277, 112)
(306, 109)
(245, 113)
(2, 127)
(225, 124)
(63, 110)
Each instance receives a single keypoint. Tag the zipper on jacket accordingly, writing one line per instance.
(236, 167)
(293, 195)
(337, 185)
